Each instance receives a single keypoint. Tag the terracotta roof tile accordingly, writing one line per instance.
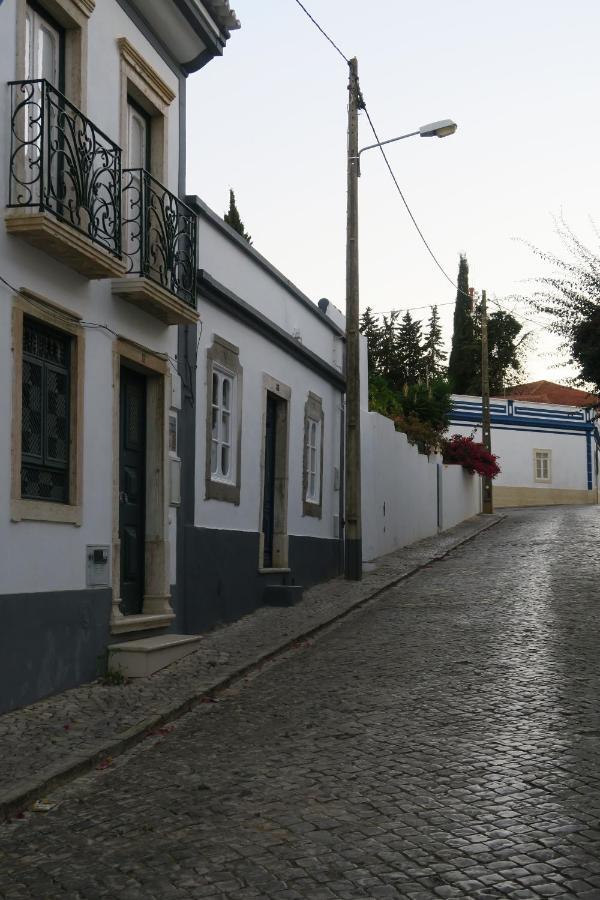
(550, 392)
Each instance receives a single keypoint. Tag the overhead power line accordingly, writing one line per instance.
(323, 32)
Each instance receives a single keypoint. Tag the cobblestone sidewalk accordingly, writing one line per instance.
(52, 741)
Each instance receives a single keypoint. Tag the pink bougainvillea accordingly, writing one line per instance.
(472, 456)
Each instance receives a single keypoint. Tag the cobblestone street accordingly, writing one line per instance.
(443, 741)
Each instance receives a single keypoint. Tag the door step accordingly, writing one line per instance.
(136, 659)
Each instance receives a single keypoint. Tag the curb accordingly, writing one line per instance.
(79, 763)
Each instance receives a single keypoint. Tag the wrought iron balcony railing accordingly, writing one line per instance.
(159, 235)
(60, 162)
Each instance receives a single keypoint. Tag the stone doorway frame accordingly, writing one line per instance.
(157, 611)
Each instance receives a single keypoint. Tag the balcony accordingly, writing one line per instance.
(159, 246)
(65, 182)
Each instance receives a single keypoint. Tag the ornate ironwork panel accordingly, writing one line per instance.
(45, 428)
(159, 235)
(62, 163)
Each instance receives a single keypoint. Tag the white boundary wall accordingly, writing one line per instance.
(407, 496)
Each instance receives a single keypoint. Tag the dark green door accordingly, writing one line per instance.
(268, 522)
(132, 488)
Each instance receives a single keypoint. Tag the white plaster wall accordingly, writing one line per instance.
(37, 556)
(237, 271)
(461, 496)
(400, 490)
(258, 356)
(515, 451)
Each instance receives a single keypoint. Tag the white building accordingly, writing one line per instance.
(262, 429)
(98, 267)
(547, 451)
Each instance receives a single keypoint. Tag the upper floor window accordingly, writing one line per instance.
(44, 47)
(138, 137)
(542, 464)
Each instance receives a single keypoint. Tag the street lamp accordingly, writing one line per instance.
(353, 525)
(443, 128)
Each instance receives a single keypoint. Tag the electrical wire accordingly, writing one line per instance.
(64, 319)
(413, 219)
(323, 32)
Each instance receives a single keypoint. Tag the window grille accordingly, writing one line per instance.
(45, 429)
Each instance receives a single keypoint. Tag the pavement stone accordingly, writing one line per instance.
(461, 709)
(49, 742)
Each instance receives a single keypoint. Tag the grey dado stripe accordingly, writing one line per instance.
(202, 209)
(220, 296)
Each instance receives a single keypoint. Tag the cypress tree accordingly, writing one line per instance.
(463, 355)
(232, 217)
(434, 356)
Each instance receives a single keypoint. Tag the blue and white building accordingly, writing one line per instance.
(548, 453)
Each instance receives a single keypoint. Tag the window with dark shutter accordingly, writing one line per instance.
(45, 436)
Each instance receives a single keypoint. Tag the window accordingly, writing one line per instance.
(48, 344)
(52, 44)
(542, 467)
(221, 462)
(313, 454)
(44, 53)
(223, 422)
(45, 414)
(312, 478)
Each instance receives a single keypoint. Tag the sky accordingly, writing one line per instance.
(521, 79)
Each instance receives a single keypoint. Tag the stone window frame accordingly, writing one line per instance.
(548, 453)
(146, 87)
(313, 411)
(72, 15)
(41, 309)
(225, 357)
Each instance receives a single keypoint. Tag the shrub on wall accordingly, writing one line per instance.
(471, 455)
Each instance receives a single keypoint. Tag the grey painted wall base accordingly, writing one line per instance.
(222, 581)
(50, 642)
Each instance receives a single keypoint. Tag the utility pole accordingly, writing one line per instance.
(488, 505)
(353, 530)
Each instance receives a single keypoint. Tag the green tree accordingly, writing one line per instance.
(434, 356)
(411, 368)
(370, 327)
(232, 217)
(506, 352)
(462, 364)
(388, 362)
(570, 298)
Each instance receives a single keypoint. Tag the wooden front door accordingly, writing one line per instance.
(132, 489)
(268, 519)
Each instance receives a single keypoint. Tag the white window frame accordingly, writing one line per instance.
(539, 456)
(223, 359)
(313, 460)
(312, 457)
(223, 376)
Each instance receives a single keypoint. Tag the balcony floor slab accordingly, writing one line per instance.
(63, 242)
